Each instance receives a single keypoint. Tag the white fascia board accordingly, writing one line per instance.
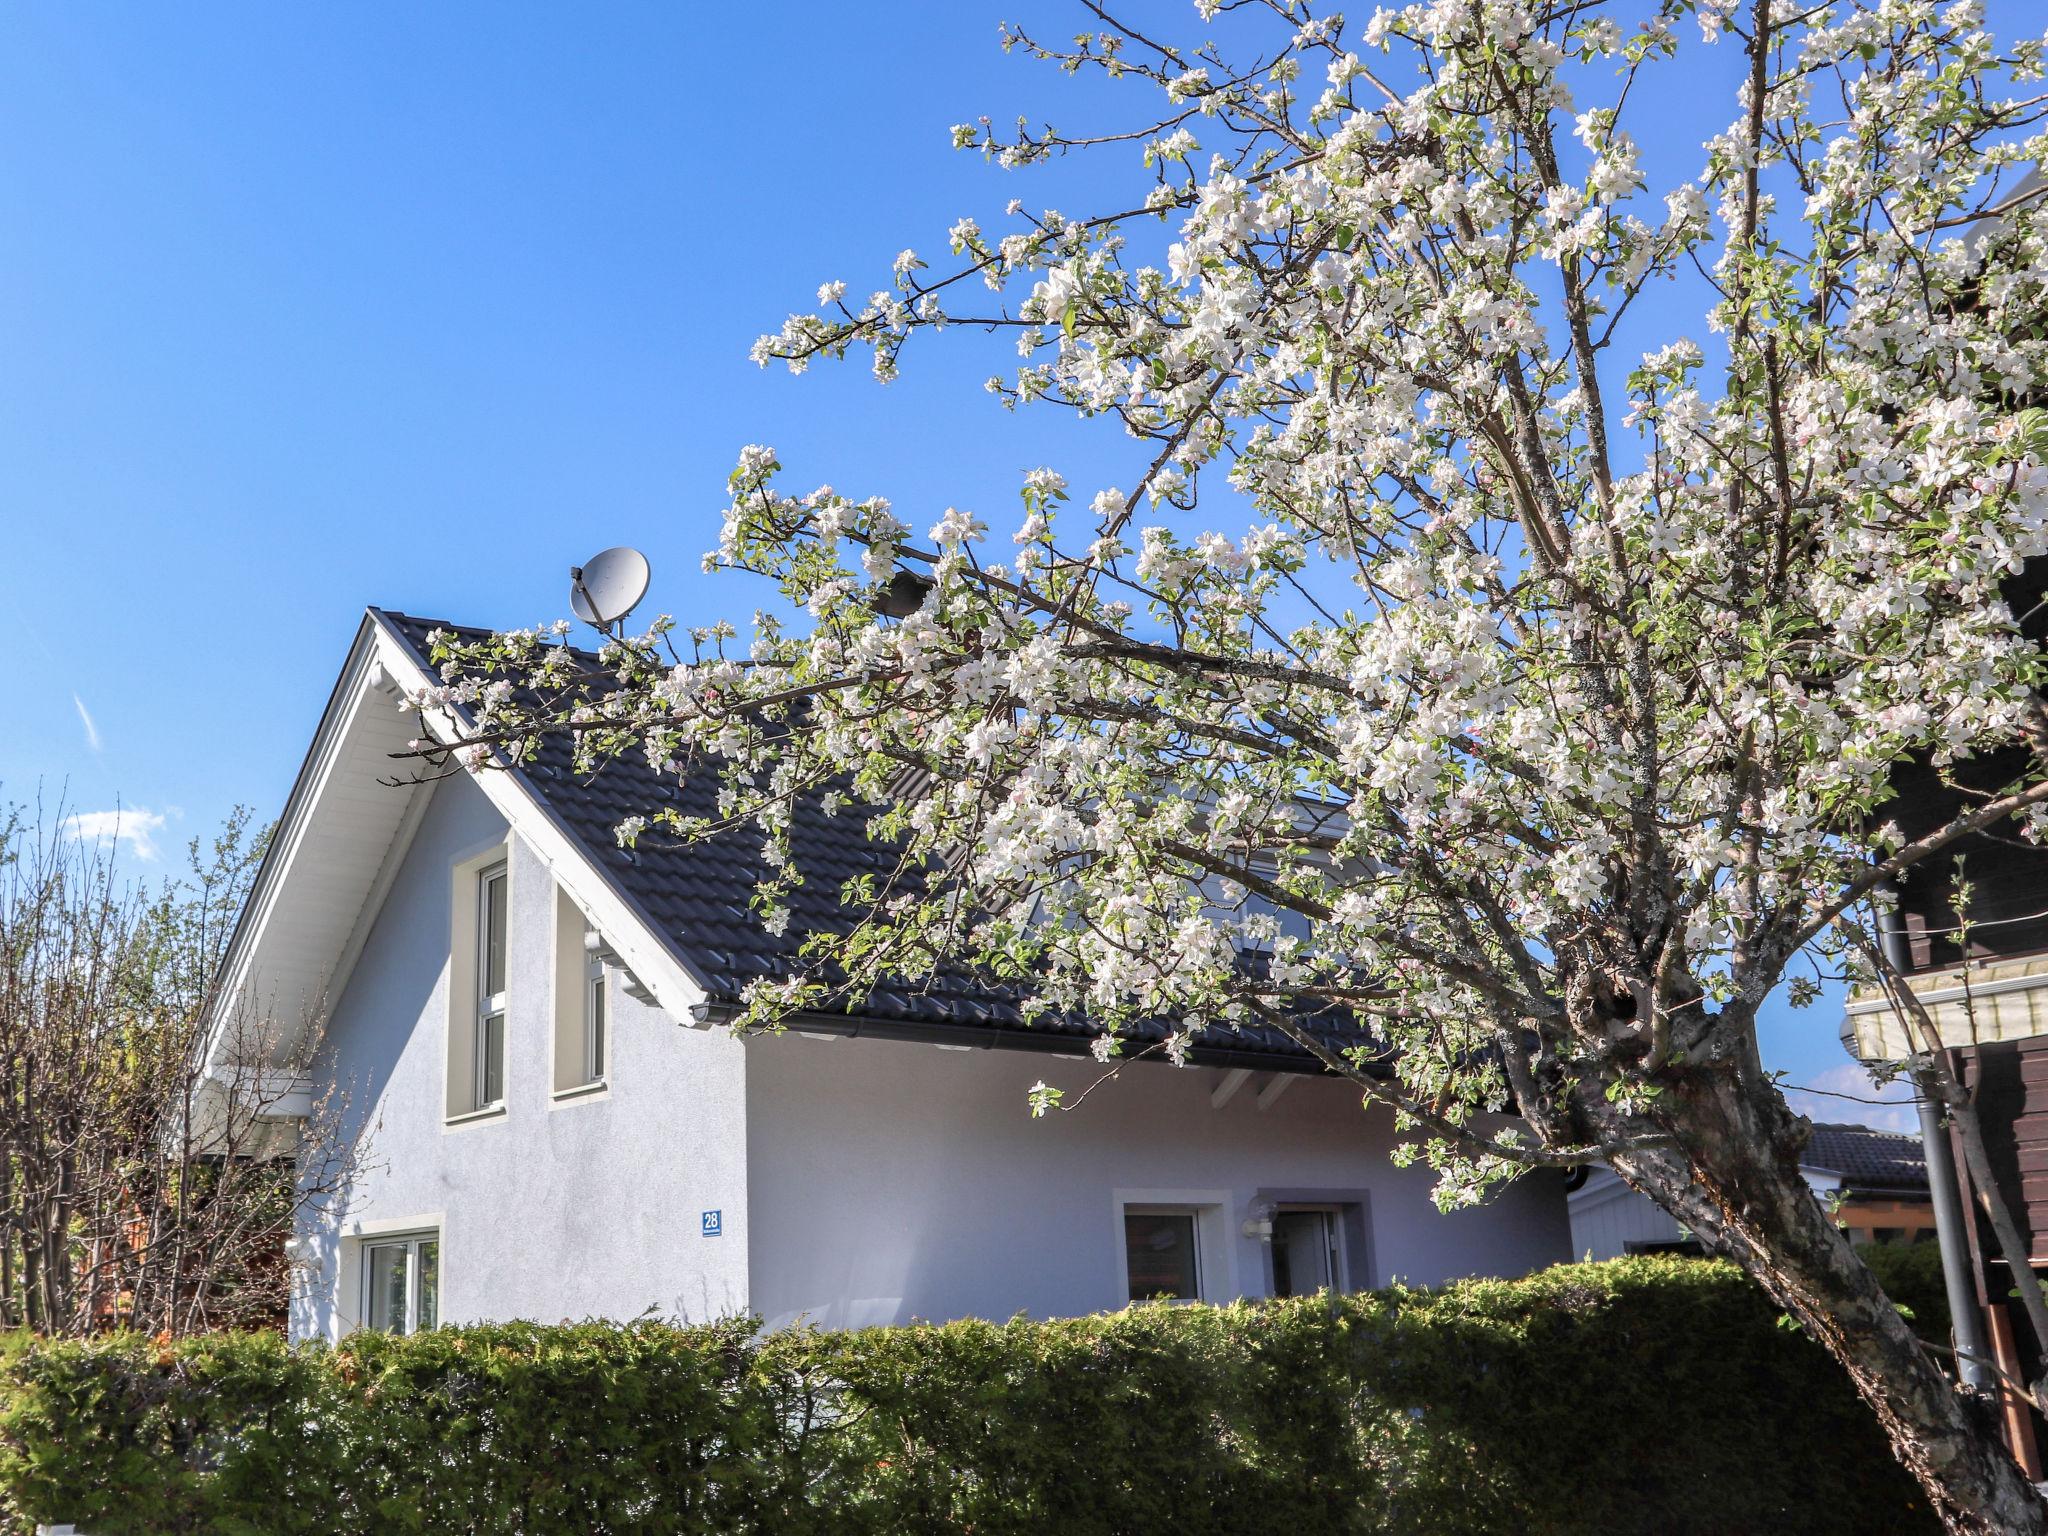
(329, 739)
(268, 1093)
(645, 953)
(240, 1110)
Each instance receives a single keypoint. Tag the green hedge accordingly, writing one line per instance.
(1911, 1275)
(1646, 1395)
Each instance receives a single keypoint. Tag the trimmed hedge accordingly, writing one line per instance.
(1644, 1395)
(1911, 1275)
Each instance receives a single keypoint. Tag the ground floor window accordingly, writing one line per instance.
(1307, 1252)
(402, 1282)
(1161, 1254)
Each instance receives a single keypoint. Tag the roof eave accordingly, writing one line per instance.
(1004, 1037)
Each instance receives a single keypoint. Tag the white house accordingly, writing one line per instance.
(1874, 1181)
(520, 1022)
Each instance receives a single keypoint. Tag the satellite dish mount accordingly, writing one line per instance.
(607, 587)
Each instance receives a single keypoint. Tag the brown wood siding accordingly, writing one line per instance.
(2010, 1082)
(2009, 873)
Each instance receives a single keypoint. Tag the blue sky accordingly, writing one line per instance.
(308, 308)
(417, 307)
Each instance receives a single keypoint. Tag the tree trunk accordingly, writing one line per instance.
(1735, 1182)
(8, 1222)
(31, 1275)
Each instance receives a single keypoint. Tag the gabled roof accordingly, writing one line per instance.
(696, 896)
(346, 828)
(1868, 1159)
(677, 915)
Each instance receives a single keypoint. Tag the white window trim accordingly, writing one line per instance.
(1215, 1254)
(410, 1239)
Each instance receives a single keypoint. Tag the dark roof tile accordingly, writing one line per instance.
(1866, 1158)
(696, 899)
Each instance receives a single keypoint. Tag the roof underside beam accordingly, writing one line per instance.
(1275, 1085)
(1226, 1090)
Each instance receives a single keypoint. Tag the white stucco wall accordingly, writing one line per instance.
(860, 1180)
(892, 1180)
(581, 1208)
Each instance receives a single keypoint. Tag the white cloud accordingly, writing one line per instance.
(92, 732)
(1840, 1094)
(135, 826)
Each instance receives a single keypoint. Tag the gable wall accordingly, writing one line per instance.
(1607, 1216)
(554, 1210)
(891, 1180)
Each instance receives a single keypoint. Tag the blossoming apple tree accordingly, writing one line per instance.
(1448, 660)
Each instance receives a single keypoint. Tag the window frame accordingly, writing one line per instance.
(491, 1007)
(1357, 1244)
(410, 1243)
(1336, 1256)
(582, 1021)
(1219, 1267)
(597, 1019)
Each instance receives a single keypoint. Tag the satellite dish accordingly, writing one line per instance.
(607, 587)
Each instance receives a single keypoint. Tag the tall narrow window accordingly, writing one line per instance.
(490, 988)
(594, 1020)
(582, 1006)
(402, 1283)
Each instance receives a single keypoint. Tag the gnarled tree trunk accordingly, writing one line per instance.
(1734, 1180)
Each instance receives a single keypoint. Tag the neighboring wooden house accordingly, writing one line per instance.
(1981, 969)
(1970, 931)
(522, 1018)
(1874, 1181)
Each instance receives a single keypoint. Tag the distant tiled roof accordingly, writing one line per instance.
(695, 899)
(1868, 1159)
